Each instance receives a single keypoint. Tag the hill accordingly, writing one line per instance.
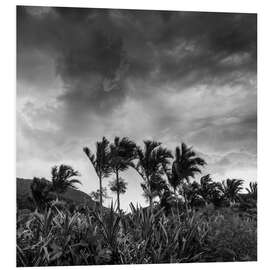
(24, 196)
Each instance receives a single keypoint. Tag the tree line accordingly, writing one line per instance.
(165, 175)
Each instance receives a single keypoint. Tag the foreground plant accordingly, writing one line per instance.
(145, 235)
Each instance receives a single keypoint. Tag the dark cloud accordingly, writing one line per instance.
(171, 76)
(96, 50)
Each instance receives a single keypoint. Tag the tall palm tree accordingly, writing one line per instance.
(63, 178)
(150, 164)
(100, 162)
(185, 166)
(122, 152)
(231, 188)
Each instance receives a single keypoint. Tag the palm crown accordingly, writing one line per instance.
(186, 163)
(100, 160)
(62, 178)
(120, 187)
(122, 152)
(231, 188)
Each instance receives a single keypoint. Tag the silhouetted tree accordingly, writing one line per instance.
(231, 188)
(150, 164)
(96, 195)
(63, 178)
(100, 162)
(252, 190)
(210, 190)
(185, 166)
(40, 189)
(122, 152)
(119, 187)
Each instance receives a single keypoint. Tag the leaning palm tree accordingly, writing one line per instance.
(185, 166)
(231, 188)
(63, 178)
(122, 152)
(150, 164)
(100, 162)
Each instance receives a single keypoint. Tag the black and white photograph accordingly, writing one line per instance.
(136, 136)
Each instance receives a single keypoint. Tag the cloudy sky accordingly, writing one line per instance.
(169, 76)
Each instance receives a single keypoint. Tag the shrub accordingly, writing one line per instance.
(146, 235)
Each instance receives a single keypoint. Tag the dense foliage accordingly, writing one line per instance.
(185, 221)
(57, 237)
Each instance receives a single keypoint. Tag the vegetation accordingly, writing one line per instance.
(99, 196)
(40, 192)
(100, 162)
(150, 166)
(122, 152)
(199, 221)
(118, 187)
(62, 178)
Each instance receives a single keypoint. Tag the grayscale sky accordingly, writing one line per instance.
(170, 76)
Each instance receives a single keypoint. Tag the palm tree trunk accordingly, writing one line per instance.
(118, 195)
(100, 194)
(150, 195)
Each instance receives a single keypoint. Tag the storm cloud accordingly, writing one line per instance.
(169, 75)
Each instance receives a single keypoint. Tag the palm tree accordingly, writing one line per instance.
(119, 187)
(95, 195)
(252, 190)
(210, 190)
(185, 166)
(231, 188)
(151, 161)
(122, 152)
(100, 162)
(62, 178)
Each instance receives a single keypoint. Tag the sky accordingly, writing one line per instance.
(170, 76)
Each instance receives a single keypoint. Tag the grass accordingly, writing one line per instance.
(59, 237)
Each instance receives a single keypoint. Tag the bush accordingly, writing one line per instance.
(59, 237)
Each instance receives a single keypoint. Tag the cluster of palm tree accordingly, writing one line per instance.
(112, 158)
(165, 176)
(161, 171)
(206, 191)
